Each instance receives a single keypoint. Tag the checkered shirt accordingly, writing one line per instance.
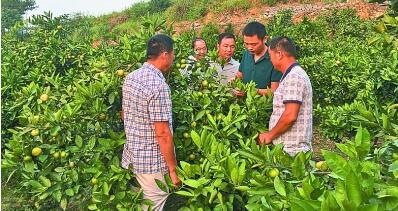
(146, 99)
(295, 86)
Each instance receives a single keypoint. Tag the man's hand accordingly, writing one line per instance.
(264, 92)
(239, 75)
(264, 138)
(238, 93)
(174, 178)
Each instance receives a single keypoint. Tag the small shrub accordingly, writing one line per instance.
(138, 9)
(186, 10)
(210, 33)
(128, 27)
(158, 5)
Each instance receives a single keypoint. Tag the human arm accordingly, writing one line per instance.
(263, 92)
(160, 114)
(166, 145)
(288, 118)
(292, 94)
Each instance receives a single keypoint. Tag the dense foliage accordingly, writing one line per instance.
(62, 133)
(12, 11)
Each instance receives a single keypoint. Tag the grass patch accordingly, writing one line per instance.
(128, 27)
(231, 5)
(187, 10)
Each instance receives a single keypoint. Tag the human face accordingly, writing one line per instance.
(275, 57)
(226, 48)
(200, 49)
(254, 44)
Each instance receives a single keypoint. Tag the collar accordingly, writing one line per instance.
(265, 56)
(232, 61)
(192, 58)
(288, 70)
(154, 69)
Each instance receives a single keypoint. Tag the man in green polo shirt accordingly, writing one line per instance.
(255, 64)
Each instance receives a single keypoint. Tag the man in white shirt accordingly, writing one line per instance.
(226, 66)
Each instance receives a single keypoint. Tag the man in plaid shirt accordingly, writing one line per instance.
(149, 150)
(291, 119)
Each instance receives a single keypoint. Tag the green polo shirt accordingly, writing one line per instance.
(261, 72)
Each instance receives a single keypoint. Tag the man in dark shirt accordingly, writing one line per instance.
(255, 64)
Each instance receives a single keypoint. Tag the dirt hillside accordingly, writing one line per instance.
(264, 13)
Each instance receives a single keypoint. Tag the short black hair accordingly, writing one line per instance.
(158, 44)
(197, 39)
(255, 28)
(286, 44)
(225, 35)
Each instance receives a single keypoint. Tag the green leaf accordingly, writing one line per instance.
(242, 188)
(211, 120)
(105, 188)
(91, 143)
(348, 150)
(111, 98)
(184, 193)
(235, 176)
(74, 175)
(307, 188)
(54, 131)
(298, 165)
(336, 163)
(92, 207)
(45, 181)
(120, 195)
(192, 183)
(386, 121)
(63, 204)
(200, 115)
(242, 172)
(362, 142)
(79, 141)
(57, 195)
(213, 194)
(340, 192)
(161, 185)
(250, 155)
(196, 139)
(42, 158)
(44, 195)
(36, 185)
(330, 202)
(231, 163)
(279, 186)
(369, 207)
(186, 167)
(389, 197)
(69, 192)
(353, 189)
(59, 169)
(29, 166)
(304, 205)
